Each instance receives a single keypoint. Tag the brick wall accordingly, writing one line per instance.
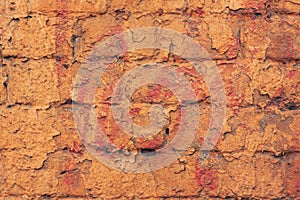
(255, 46)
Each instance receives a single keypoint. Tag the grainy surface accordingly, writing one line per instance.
(255, 45)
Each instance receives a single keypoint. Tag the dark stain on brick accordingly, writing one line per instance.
(281, 124)
(148, 152)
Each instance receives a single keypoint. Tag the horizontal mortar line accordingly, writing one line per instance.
(41, 195)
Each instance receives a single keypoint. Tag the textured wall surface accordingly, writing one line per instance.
(255, 45)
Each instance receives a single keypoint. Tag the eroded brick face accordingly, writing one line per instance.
(255, 46)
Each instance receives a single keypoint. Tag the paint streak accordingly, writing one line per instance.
(68, 180)
(291, 74)
(288, 47)
(206, 177)
(156, 143)
(236, 99)
(279, 92)
(60, 36)
(76, 148)
(69, 165)
(199, 11)
(154, 92)
(134, 112)
(234, 49)
(201, 140)
(73, 182)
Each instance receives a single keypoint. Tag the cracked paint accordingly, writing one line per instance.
(255, 45)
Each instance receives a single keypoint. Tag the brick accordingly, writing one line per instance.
(30, 38)
(72, 6)
(39, 81)
(292, 171)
